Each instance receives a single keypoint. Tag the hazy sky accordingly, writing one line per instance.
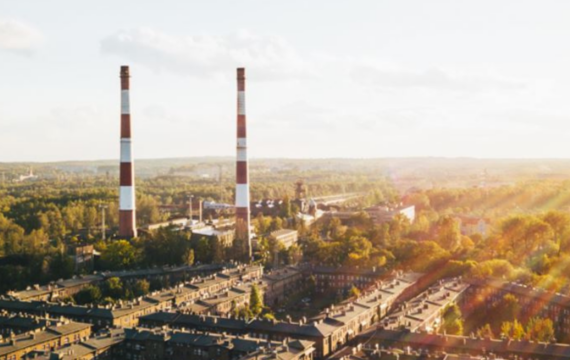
(326, 78)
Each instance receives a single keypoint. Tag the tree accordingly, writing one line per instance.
(203, 250)
(507, 309)
(449, 234)
(420, 256)
(276, 224)
(239, 250)
(141, 287)
(268, 316)
(499, 268)
(243, 312)
(61, 266)
(89, 295)
(113, 288)
(11, 237)
(217, 250)
(294, 254)
(166, 246)
(452, 321)
(485, 332)
(539, 329)
(147, 210)
(336, 229)
(90, 218)
(560, 224)
(189, 257)
(286, 208)
(255, 301)
(354, 292)
(513, 330)
(119, 254)
(263, 224)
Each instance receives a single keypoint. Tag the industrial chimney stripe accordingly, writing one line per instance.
(242, 176)
(127, 221)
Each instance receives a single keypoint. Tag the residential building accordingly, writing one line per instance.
(281, 283)
(433, 344)
(329, 331)
(171, 344)
(381, 214)
(54, 337)
(83, 257)
(424, 312)
(224, 236)
(102, 346)
(293, 350)
(286, 237)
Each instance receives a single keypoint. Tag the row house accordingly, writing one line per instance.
(329, 331)
(432, 344)
(280, 284)
(19, 346)
(170, 344)
(423, 313)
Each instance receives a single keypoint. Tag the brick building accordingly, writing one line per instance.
(51, 338)
(281, 283)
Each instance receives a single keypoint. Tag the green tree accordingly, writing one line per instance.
(507, 309)
(141, 287)
(485, 332)
(276, 224)
(119, 254)
(61, 265)
(166, 246)
(268, 316)
(354, 292)
(113, 288)
(243, 312)
(449, 234)
(255, 300)
(217, 251)
(452, 321)
(189, 257)
(513, 330)
(286, 211)
(89, 295)
(539, 329)
(203, 250)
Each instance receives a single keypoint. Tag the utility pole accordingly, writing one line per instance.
(103, 207)
(190, 198)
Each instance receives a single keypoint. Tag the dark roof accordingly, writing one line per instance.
(469, 344)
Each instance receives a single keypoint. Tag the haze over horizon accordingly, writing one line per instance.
(378, 80)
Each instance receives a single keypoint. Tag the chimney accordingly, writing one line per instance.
(242, 176)
(127, 223)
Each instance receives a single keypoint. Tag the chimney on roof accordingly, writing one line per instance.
(242, 169)
(127, 218)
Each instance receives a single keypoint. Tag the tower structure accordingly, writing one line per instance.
(127, 209)
(242, 170)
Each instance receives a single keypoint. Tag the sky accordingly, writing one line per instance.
(325, 78)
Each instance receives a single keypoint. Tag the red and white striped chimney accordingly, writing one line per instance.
(242, 176)
(127, 222)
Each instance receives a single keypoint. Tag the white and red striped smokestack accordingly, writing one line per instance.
(127, 222)
(242, 176)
